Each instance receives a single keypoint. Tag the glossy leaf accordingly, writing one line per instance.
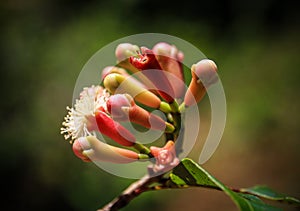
(267, 193)
(189, 173)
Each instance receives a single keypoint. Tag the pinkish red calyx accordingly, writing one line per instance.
(166, 158)
(145, 60)
(151, 68)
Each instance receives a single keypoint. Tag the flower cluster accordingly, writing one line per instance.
(120, 97)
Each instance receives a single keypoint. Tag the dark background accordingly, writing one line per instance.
(44, 45)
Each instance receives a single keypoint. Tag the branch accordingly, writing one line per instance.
(134, 190)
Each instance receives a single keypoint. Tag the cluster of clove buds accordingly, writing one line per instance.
(120, 97)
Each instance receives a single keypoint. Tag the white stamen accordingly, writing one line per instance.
(77, 119)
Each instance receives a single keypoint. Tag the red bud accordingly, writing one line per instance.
(113, 130)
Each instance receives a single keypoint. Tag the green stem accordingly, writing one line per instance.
(182, 107)
(170, 117)
(169, 128)
(143, 157)
(174, 106)
(142, 149)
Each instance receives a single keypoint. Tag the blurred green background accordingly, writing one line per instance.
(44, 45)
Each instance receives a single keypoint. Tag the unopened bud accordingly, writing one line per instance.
(114, 130)
(116, 104)
(170, 58)
(204, 74)
(118, 84)
(125, 50)
(91, 149)
(123, 108)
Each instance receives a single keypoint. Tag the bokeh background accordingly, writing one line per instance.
(44, 45)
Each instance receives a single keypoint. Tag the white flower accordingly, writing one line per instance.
(80, 120)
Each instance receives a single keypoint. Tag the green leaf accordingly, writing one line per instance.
(189, 173)
(267, 193)
(254, 203)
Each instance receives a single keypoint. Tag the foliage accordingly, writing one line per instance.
(188, 173)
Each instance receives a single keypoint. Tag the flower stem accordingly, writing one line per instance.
(174, 106)
(182, 107)
(169, 128)
(142, 149)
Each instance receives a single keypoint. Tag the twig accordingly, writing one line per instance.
(130, 193)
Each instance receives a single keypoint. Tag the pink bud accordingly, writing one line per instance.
(165, 49)
(204, 74)
(125, 50)
(91, 149)
(116, 103)
(170, 58)
(123, 108)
